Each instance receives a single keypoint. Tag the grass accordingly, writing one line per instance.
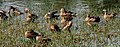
(12, 34)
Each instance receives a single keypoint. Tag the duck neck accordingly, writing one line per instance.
(62, 11)
(28, 13)
(105, 13)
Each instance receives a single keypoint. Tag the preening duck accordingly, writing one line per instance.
(90, 19)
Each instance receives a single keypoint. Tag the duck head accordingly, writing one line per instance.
(88, 15)
(26, 10)
(104, 11)
(62, 10)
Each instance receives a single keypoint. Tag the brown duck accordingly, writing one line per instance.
(90, 19)
(14, 11)
(51, 15)
(30, 34)
(30, 17)
(108, 16)
(54, 27)
(42, 39)
(66, 15)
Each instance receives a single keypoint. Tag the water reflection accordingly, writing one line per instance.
(103, 4)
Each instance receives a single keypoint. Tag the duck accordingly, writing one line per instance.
(63, 20)
(3, 15)
(54, 27)
(51, 15)
(63, 13)
(90, 19)
(69, 16)
(67, 25)
(14, 11)
(66, 15)
(3, 11)
(30, 17)
(39, 36)
(109, 16)
(72, 13)
(31, 34)
(42, 39)
(45, 40)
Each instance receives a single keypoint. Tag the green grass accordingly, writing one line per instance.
(13, 35)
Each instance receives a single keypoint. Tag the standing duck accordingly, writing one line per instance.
(66, 19)
(29, 17)
(90, 19)
(108, 16)
(14, 11)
